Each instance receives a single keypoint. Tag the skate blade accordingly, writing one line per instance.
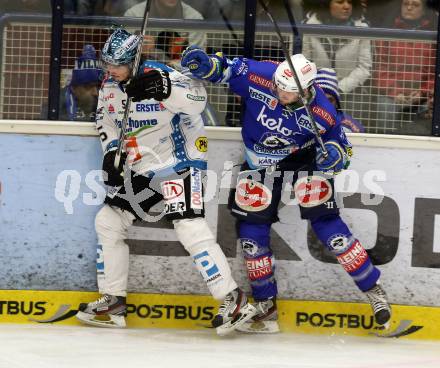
(259, 327)
(108, 321)
(246, 313)
(386, 326)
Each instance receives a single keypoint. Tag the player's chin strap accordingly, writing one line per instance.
(298, 104)
(295, 76)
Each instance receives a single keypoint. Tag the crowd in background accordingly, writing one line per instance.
(400, 71)
(373, 13)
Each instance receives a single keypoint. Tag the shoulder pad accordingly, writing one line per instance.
(150, 64)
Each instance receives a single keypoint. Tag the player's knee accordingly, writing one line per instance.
(255, 231)
(112, 221)
(332, 232)
(191, 232)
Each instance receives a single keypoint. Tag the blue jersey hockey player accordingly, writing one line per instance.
(280, 148)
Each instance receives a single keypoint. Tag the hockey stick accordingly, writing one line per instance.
(136, 63)
(295, 76)
(229, 25)
(297, 41)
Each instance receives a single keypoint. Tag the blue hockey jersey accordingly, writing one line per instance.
(270, 130)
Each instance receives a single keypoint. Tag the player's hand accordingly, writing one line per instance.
(153, 84)
(415, 97)
(401, 99)
(115, 176)
(336, 159)
(197, 61)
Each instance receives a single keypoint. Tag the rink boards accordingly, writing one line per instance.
(50, 192)
(196, 312)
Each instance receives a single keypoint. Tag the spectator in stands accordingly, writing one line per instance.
(25, 6)
(327, 80)
(169, 44)
(349, 57)
(379, 13)
(235, 9)
(113, 8)
(117, 8)
(422, 124)
(405, 69)
(80, 97)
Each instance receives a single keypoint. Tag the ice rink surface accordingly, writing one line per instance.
(48, 346)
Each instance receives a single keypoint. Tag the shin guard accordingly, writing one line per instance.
(349, 252)
(255, 242)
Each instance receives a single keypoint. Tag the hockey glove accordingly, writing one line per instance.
(201, 65)
(115, 176)
(153, 84)
(336, 160)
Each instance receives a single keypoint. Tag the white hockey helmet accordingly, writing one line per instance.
(305, 69)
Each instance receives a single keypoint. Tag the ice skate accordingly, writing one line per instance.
(266, 319)
(380, 305)
(107, 311)
(233, 312)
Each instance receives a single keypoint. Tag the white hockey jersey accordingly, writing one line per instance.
(161, 137)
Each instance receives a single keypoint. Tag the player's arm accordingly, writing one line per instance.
(107, 130)
(335, 141)
(178, 93)
(339, 151)
(109, 135)
(187, 96)
(218, 68)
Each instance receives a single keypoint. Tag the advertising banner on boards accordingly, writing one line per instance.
(51, 189)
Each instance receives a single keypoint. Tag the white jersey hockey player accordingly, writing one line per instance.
(165, 155)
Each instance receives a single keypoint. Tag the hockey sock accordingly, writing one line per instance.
(349, 252)
(255, 242)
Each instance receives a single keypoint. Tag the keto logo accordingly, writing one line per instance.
(273, 124)
(201, 144)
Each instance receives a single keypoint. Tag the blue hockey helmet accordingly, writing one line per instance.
(120, 48)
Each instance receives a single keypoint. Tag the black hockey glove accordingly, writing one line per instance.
(153, 84)
(115, 176)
